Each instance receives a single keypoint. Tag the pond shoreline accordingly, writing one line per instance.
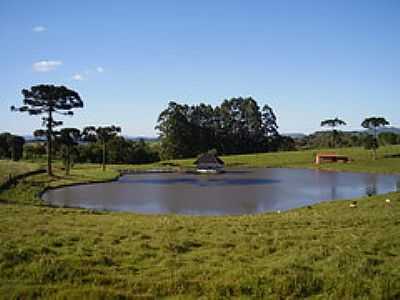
(248, 190)
(178, 170)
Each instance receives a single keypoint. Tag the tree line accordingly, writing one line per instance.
(236, 126)
(11, 146)
(49, 101)
(323, 140)
(92, 145)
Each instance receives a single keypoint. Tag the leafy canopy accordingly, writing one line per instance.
(102, 134)
(333, 123)
(43, 98)
(238, 125)
(374, 122)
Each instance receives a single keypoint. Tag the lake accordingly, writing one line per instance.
(235, 192)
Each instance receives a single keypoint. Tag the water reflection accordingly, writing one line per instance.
(398, 185)
(232, 193)
(200, 181)
(371, 190)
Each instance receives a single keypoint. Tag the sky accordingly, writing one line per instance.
(308, 60)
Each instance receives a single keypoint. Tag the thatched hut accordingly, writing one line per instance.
(209, 163)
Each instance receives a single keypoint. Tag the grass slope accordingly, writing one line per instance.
(327, 251)
(11, 168)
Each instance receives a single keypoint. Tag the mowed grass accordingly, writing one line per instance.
(325, 251)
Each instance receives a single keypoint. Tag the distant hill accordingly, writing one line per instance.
(31, 138)
(356, 132)
(385, 129)
(295, 135)
(145, 138)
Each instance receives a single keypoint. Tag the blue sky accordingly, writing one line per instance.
(308, 60)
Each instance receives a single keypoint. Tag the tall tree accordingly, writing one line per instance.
(175, 131)
(269, 127)
(48, 100)
(68, 138)
(238, 125)
(333, 123)
(374, 123)
(102, 135)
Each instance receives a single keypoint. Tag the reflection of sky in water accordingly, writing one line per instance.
(236, 192)
(200, 182)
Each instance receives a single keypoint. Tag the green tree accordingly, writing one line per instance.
(68, 138)
(49, 100)
(176, 132)
(238, 125)
(102, 135)
(388, 138)
(272, 140)
(369, 142)
(333, 123)
(373, 123)
(4, 153)
(16, 146)
(34, 150)
(11, 146)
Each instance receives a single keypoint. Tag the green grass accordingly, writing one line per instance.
(11, 168)
(28, 190)
(361, 160)
(330, 250)
(327, 251)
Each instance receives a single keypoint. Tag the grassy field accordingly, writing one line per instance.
(327, 251)
(361, 160)
(11, 168)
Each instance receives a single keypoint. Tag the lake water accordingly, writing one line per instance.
(233, 193)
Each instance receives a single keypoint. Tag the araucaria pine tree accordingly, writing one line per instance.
(49, 100)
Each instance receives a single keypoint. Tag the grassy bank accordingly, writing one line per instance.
(327, 251)
(28, 190)
(10, 168)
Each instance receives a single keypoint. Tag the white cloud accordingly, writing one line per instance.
(46, 65)
(100, 69)
(78, 77)
(39, 28)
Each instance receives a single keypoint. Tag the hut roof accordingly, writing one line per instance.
(209, 158)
